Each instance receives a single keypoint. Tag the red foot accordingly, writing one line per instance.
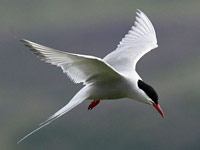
(93, 104)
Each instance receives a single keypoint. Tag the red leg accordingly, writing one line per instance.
(93, 104)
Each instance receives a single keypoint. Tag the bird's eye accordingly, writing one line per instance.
(150, 92)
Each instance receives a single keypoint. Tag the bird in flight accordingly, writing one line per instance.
(112, 77)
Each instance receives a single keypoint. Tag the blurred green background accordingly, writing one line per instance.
(30, 90)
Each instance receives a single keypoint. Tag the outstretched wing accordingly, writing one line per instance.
(80, 68)
(139, 40)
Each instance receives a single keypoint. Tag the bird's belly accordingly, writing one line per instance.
(108, 90)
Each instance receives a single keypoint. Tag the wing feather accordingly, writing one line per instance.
(80, 68)
(139, 40)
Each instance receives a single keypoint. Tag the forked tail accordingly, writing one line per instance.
(82, 95)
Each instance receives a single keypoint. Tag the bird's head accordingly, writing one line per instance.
(152, 96)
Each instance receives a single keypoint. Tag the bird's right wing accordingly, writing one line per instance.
(80, 68)
(139, 40)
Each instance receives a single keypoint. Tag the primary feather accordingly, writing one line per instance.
(79, 68)
(139, 40)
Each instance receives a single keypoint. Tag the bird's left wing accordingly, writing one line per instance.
(80, 68)
(139, 40)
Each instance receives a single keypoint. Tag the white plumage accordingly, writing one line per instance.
(79, 68)
(110, 78)
(139, 40)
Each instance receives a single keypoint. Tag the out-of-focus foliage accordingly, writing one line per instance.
(31, 90)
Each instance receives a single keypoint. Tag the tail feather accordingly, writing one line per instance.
(76, 100)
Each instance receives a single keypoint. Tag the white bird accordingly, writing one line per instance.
(112, 77)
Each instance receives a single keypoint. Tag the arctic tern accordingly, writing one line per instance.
(112, 77)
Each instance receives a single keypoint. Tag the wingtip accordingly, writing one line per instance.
(139, 11)
(23, 40)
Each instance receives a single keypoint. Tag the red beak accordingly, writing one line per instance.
(159, 109)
